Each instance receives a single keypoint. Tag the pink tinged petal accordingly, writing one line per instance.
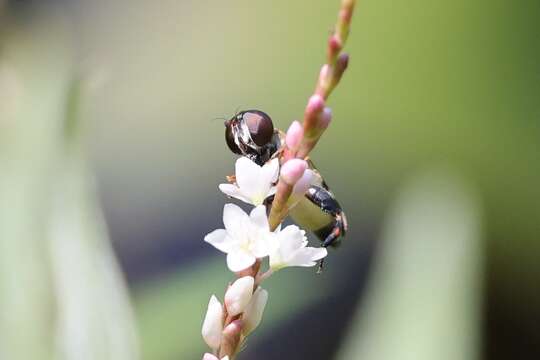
(254, 311)
(219, 239)
(233, 191)
(208, 356)
(258, 217)
(239, 260)
(238, 295)
(293, 170)
(294, 136)
(234, 219)
(213, 323)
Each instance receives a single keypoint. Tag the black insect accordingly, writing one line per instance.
(251, 133)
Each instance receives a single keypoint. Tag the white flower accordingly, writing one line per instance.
(244, 239)
(238, 295)
(288, 248)
(254, 311)
(213, 323)
(254, 183)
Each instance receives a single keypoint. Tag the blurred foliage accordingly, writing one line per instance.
(62, 296)
(424, 301)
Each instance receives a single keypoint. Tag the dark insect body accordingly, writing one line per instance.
(251, 133)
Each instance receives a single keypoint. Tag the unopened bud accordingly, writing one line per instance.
(254, 311)
(303, 184)
(231, 338)
(213, 323)
(238, 295)
(325, 117)
(293, 170)
(316, 102)
(294, 136)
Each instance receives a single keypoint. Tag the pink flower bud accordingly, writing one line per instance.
(213, 323)
(293, 170)
(316, 102)
(303, 184)
(238, 295)
(334, 47)
(341, 65)
(325, 117)
(254, 312)
(294, 136)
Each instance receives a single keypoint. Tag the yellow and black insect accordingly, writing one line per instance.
(251, 133)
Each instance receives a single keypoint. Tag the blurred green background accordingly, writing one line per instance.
(434, 153)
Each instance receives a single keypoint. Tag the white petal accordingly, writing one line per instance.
(247, 176)
(213, 323)
(235, 219)
(233, 191)
(219, 239)
(208, 356)
(270, 171)
(254, 311)
(272, 191)
(258, 217)
(308, 256)
(291, 240)
(259, 244)
(238, 295)
(239, 260)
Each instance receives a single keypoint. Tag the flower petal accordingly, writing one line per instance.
(219, 239)
(308, 256)
(247, 175)
(239, 260)
(235, 219)
(291, 239)
(270, 171)
(233, 191)
(258, 217)
(208, 356)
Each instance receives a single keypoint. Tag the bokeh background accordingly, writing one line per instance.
(110, 135)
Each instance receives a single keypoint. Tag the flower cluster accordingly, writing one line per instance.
(247, 239)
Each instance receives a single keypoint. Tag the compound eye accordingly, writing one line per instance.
(229, 138)
(260, 126)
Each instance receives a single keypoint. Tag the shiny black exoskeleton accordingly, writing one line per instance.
(251, 133)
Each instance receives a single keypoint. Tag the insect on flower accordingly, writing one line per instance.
(251, 133)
